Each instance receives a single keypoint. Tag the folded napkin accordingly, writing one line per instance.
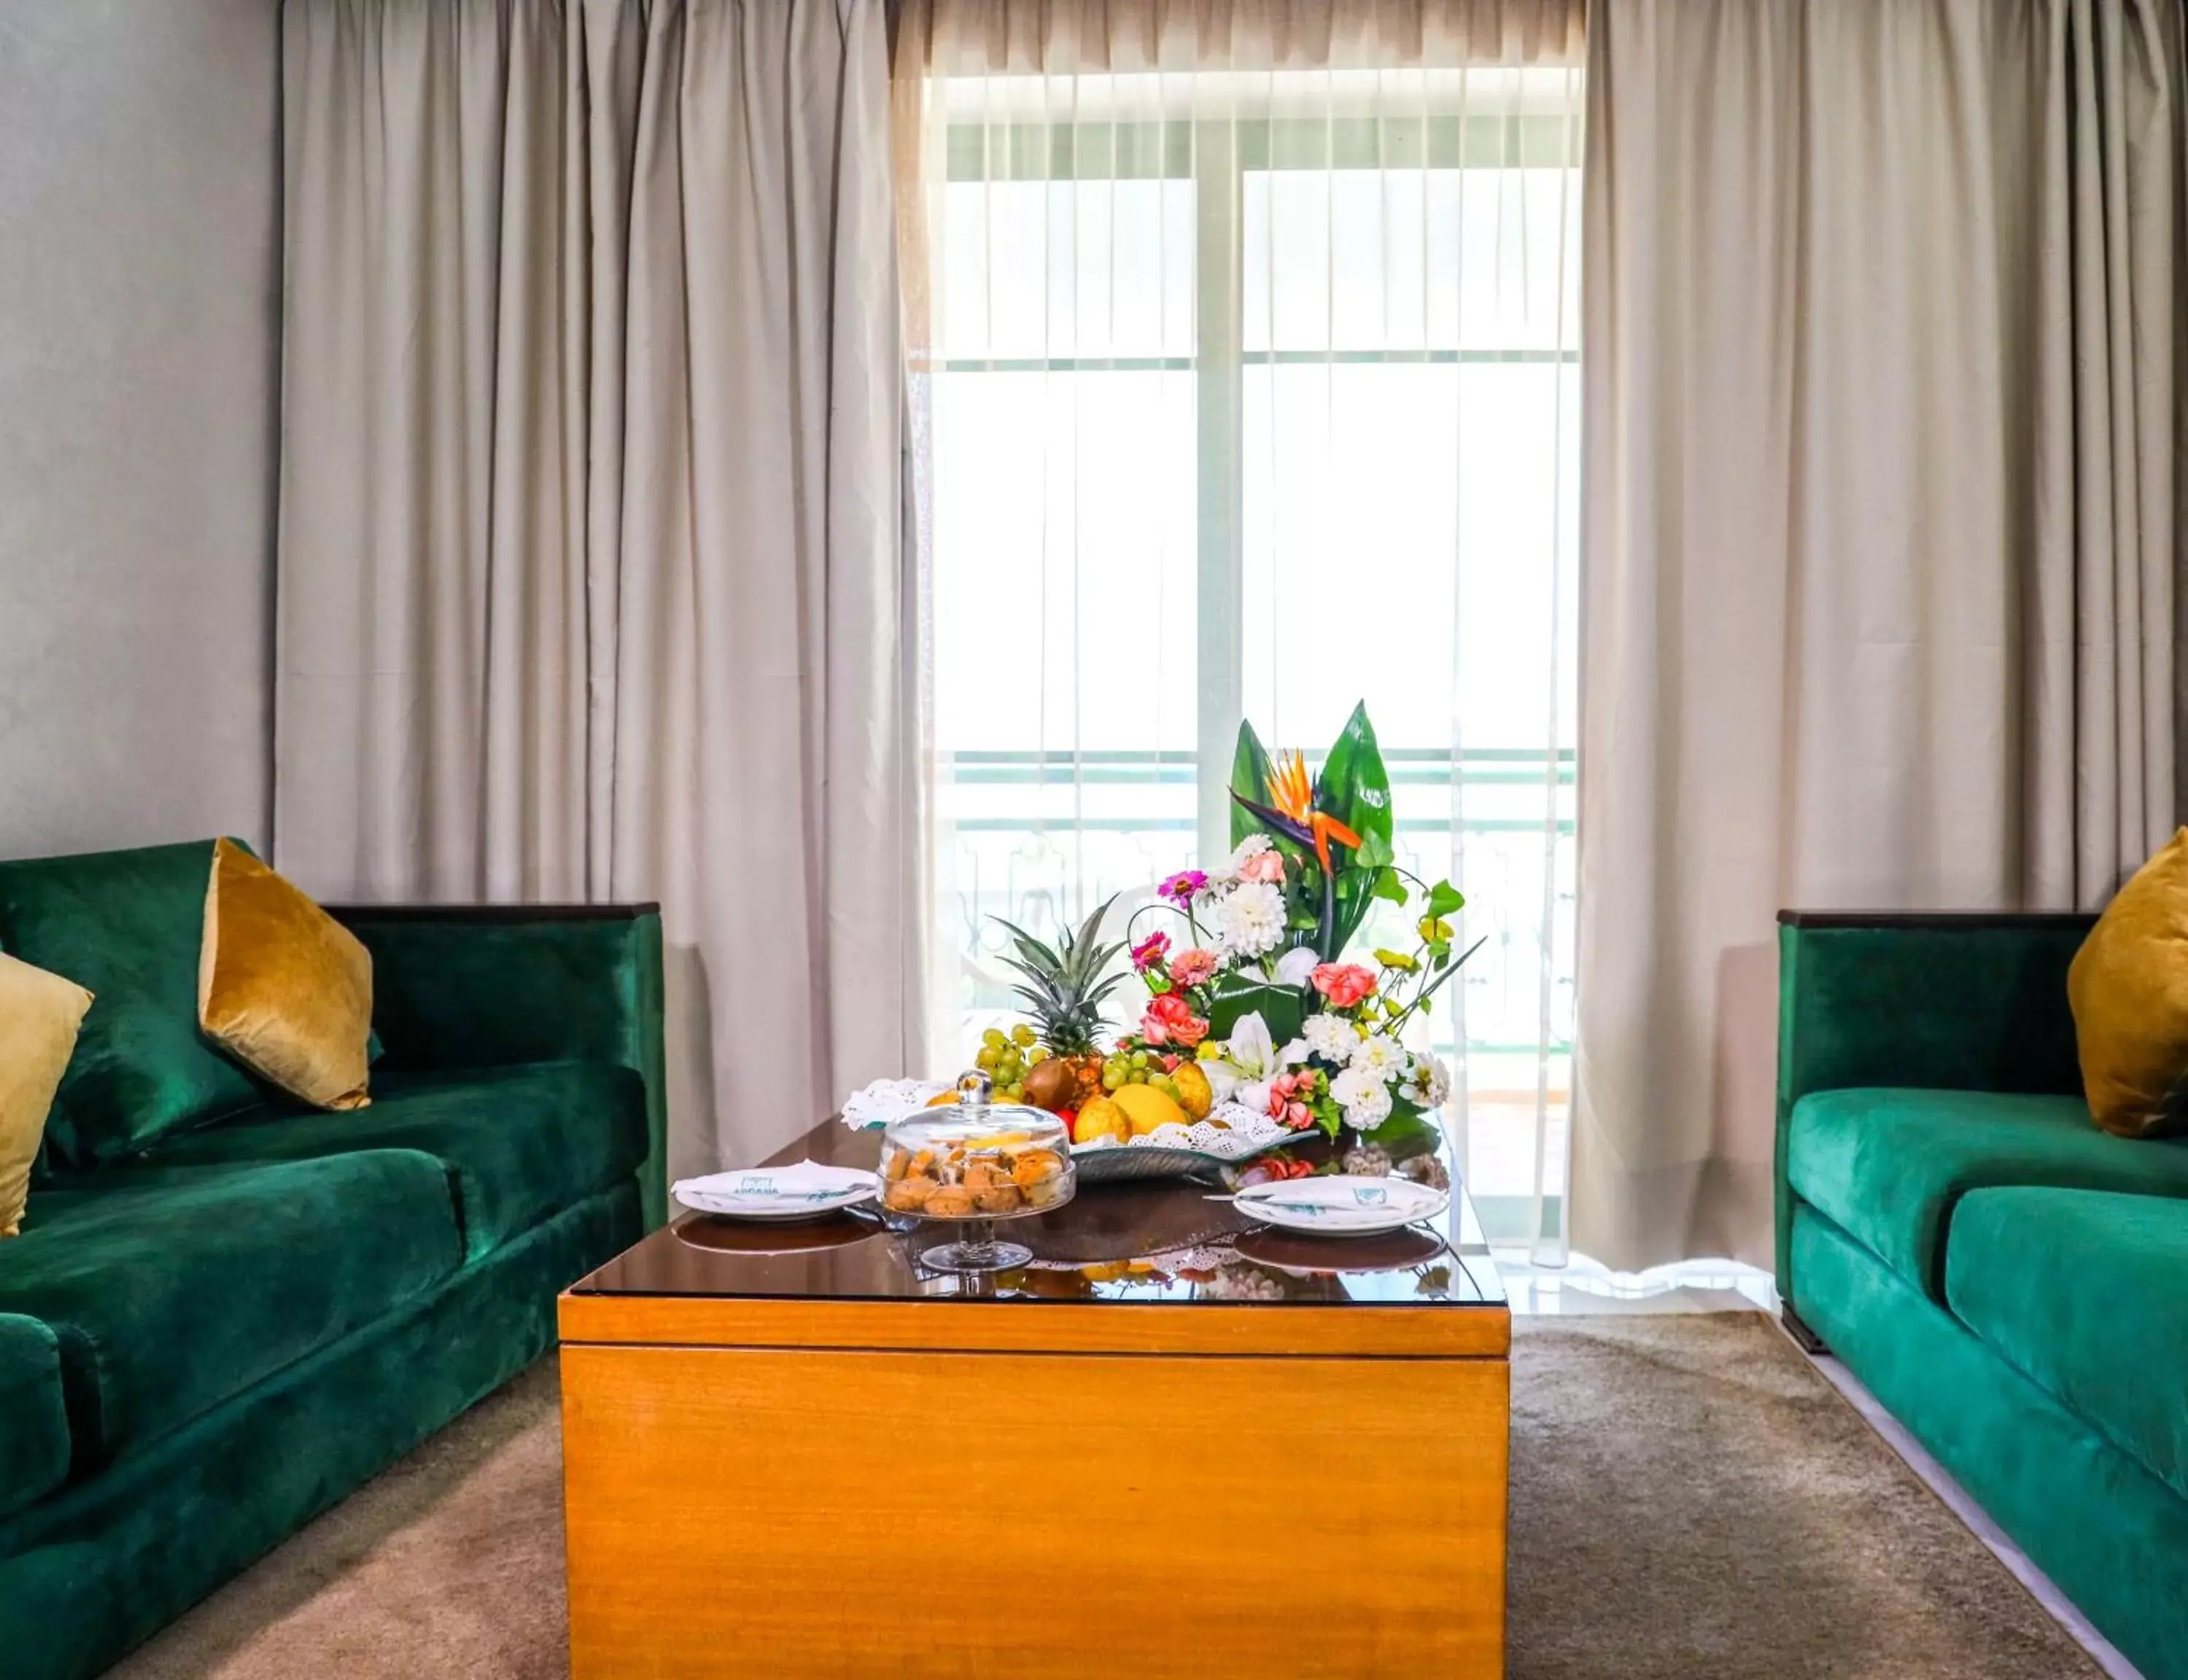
(779, 1189)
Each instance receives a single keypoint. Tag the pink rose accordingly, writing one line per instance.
(1344, 984)
(1149, 951)
(1266, 866)
(1190, 967)
(1170, 1020)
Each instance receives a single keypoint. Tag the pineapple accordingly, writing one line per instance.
(1063, 993)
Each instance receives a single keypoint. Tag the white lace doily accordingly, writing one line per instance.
(1241, 1133)
(1232, 1131)
(885, 1100)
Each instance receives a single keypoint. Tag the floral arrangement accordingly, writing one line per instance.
(1250, 997)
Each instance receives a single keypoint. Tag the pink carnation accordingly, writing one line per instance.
(1191, 965)
(1344, 984)
(1266, 866)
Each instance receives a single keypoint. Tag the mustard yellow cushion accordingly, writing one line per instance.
(282, 987)
(2128, 988)
(39, 1015)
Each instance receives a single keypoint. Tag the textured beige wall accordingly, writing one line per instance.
(139, 342)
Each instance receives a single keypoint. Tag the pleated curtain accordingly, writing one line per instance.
(590, 572)
(1882, 545)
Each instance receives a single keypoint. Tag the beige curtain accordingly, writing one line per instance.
(590, 573)
(1883, 318)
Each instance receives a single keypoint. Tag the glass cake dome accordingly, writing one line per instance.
(972, 1162)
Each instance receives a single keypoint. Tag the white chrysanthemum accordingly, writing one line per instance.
(1331, 1037)
(1365, 1099)
(1249, 919)
(1428, 1082)
(1252, 846)
(1386, 1058)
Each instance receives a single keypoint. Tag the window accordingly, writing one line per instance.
(1256, 396)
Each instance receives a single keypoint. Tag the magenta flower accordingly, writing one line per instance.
(1150, 951)
(1182, 886)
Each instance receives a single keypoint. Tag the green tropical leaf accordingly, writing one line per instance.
(1444, 898)
(1249, 781)
(1354, 788)
(1282, 1010)
(1389, 885)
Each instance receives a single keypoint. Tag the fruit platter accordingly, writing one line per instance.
(1255, 1027)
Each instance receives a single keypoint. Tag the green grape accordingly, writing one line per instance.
(994, 1039)
(1166, 1084)
(1138, 1076)
(1112, 1079)
(1139, 1058)
(1022, 1036)
(985, 1061)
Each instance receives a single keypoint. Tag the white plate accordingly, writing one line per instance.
(806, 1191)
(1342, 1205)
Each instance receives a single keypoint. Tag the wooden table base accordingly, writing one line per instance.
(795, 1512)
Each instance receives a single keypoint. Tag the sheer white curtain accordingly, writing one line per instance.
(1246, 375)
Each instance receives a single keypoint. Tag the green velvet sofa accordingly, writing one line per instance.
(204, 1343)
(2010, 1283)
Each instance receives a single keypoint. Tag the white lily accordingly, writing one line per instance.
(1248, 1063)
(1295, 965)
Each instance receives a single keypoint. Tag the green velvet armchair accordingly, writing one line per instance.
(2009, 1281)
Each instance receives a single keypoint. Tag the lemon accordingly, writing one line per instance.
(1147, 1108)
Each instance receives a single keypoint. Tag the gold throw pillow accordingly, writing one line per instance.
(39, 1015)
(2128, 988)
(282, 987)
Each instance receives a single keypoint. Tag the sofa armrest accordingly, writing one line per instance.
(1947, 1002)
(489, 985)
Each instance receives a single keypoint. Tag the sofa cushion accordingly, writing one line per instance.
(40, 1016)
(170, 1289)
(2128, 991)
(1888, 1165)
(126, 927)
(282, 987)
(34, 1437)
(2086, 1293)
(520, 1143)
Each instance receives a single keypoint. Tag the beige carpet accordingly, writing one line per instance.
(1689, 1498)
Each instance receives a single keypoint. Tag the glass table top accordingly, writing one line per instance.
(1171, 1242)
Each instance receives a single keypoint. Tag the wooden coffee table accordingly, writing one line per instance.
(1176, 1446)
